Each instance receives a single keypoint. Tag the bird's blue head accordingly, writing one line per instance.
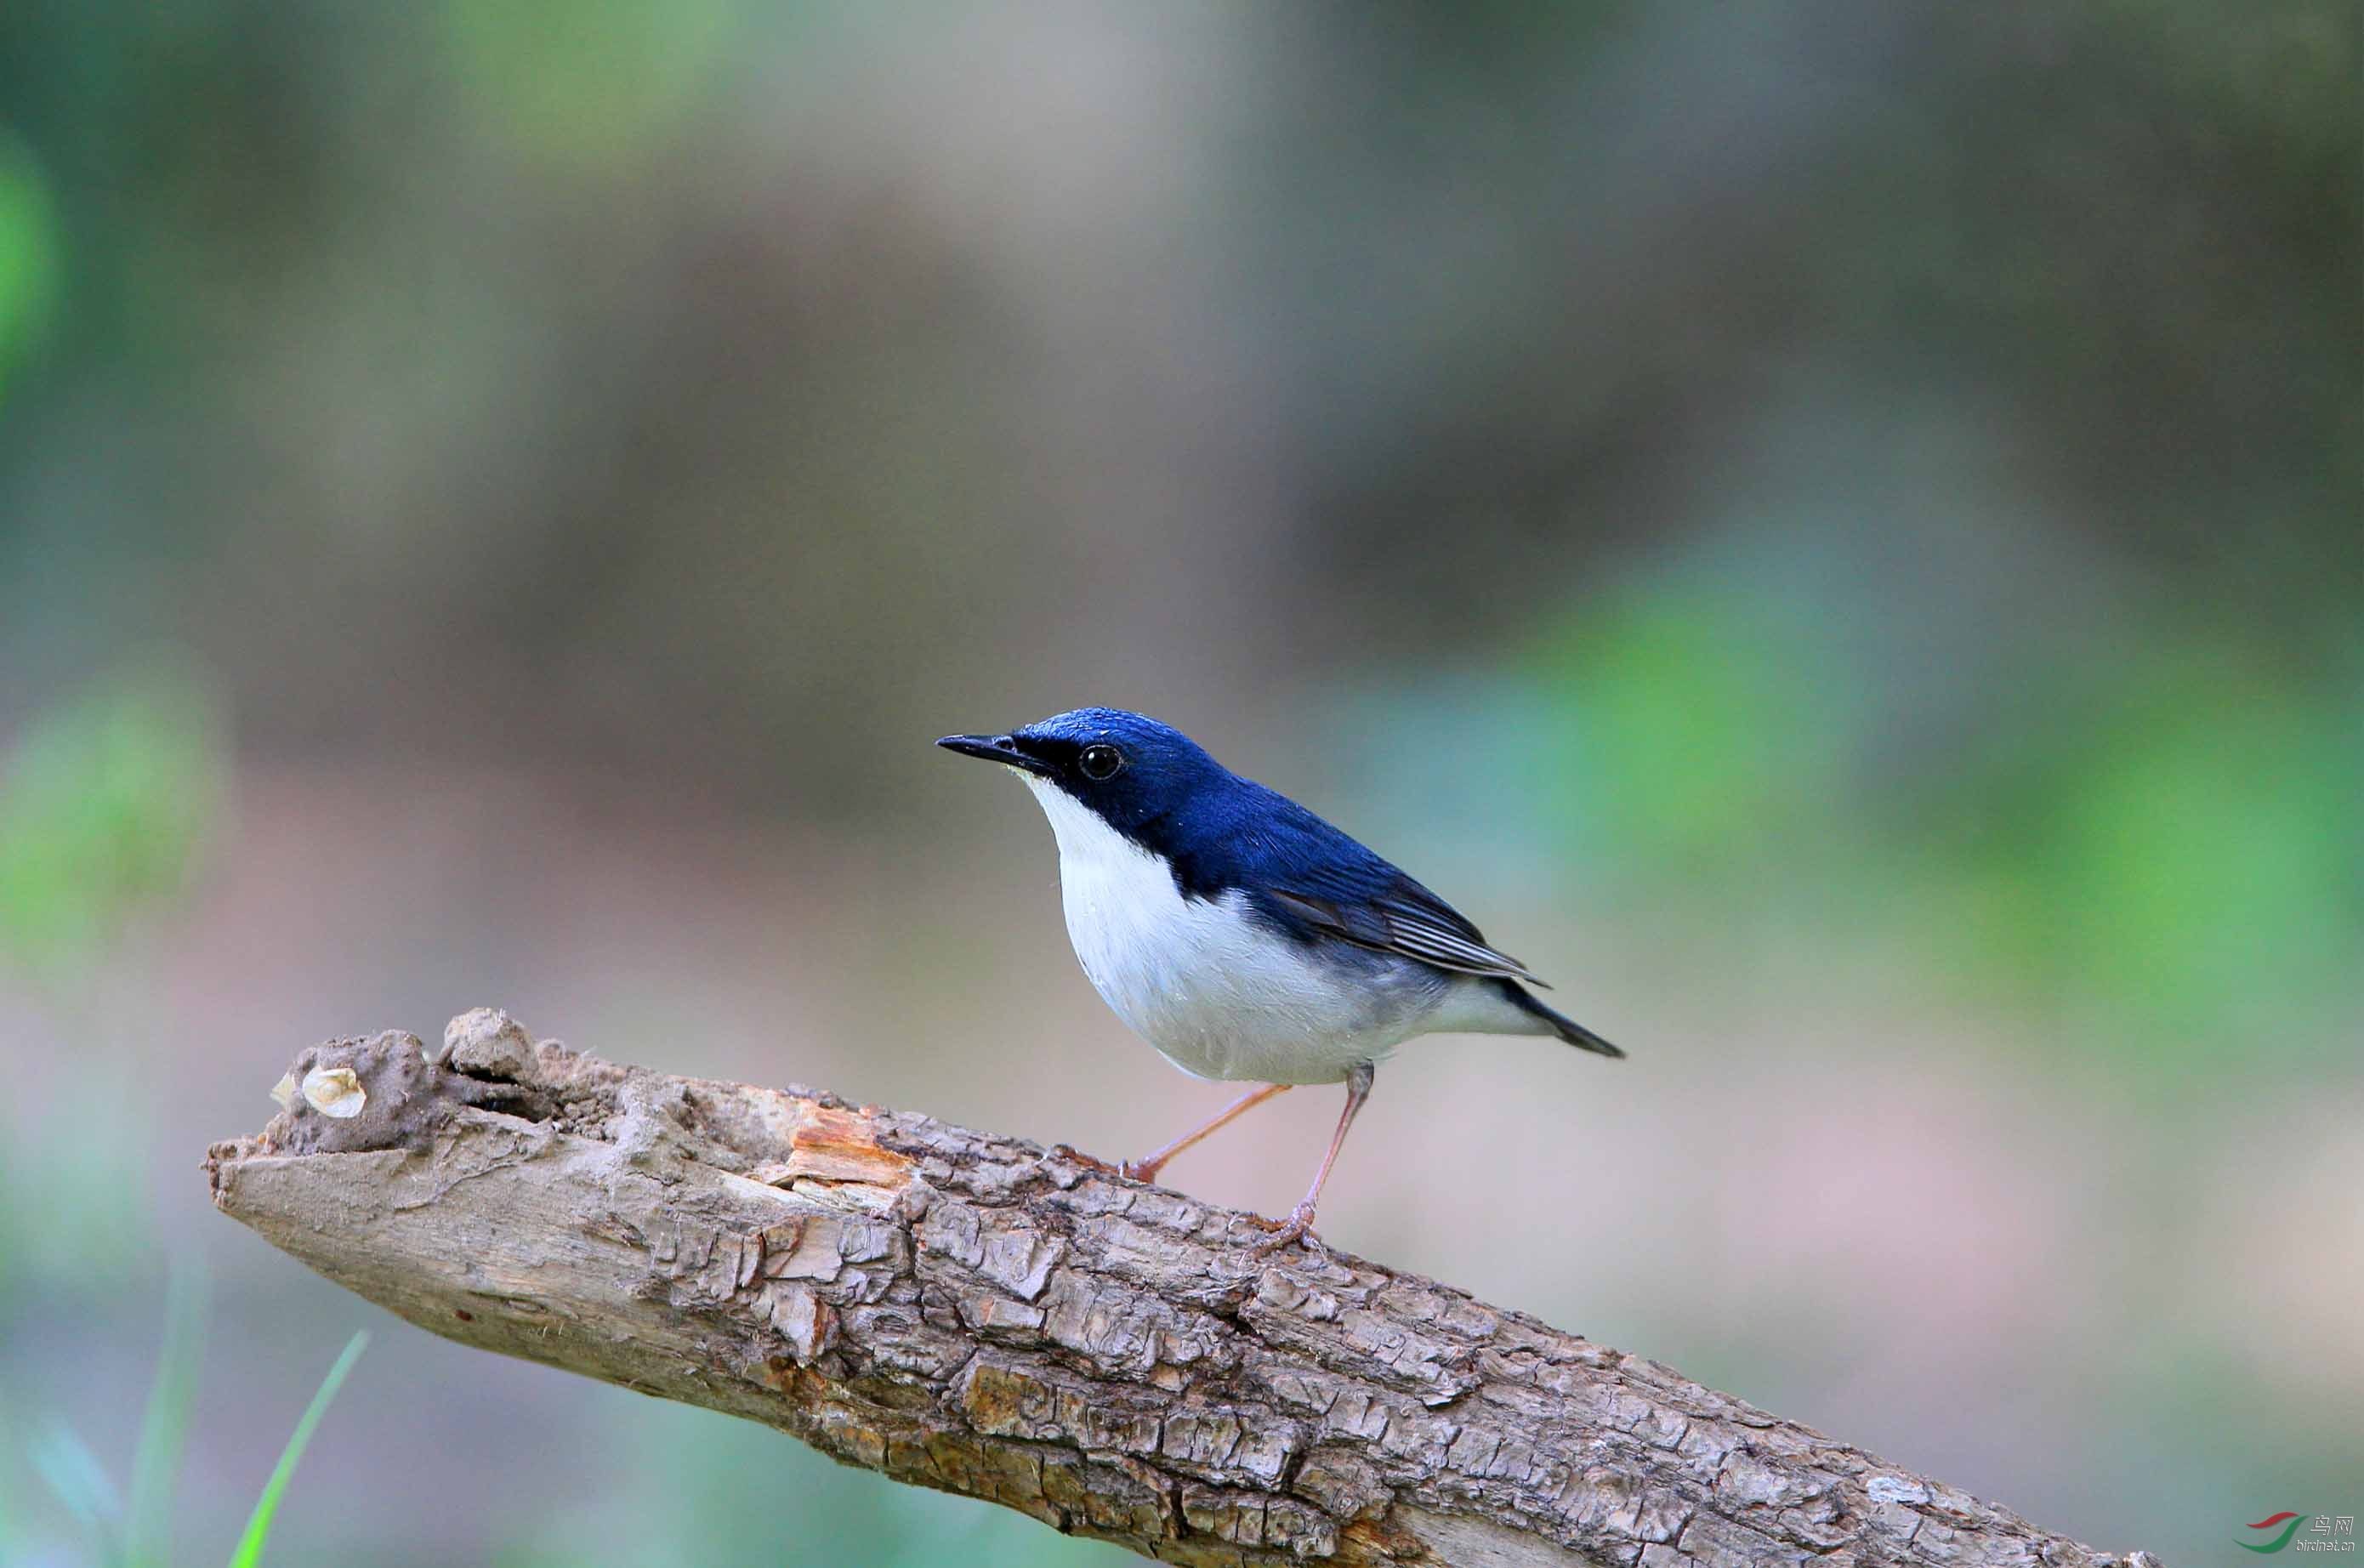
(1126, 767)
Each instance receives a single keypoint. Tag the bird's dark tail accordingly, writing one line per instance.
(1568, 1028)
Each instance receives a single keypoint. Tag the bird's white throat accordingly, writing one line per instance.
(1129, 922)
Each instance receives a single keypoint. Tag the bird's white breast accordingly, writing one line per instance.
(1218, 995)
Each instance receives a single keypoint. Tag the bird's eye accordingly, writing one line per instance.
(1100, 762)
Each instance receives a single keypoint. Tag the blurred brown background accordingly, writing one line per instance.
(1832, 529)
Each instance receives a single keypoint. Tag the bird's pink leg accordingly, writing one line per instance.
(1146, 1168)
(1299, 1223)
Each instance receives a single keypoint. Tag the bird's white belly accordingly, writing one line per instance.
(1218, 995)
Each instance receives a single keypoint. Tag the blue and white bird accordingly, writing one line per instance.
(1242, 936)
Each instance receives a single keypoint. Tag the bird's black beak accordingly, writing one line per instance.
(995, 748)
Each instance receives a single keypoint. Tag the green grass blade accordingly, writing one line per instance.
(8, 1547)
(164, 1428)
(257, 1526)
(76, 1479)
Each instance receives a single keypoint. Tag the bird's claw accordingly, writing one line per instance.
(1130, 1169)
(1073, 1155)
(1297, 1226)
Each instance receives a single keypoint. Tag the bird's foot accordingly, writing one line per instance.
(1297, 1226)
(1073, 1155)
(1131, 1170)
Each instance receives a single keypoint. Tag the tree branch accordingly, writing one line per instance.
(970, 1313)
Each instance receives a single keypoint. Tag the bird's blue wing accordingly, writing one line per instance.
(1315, 882)
(1404, 918)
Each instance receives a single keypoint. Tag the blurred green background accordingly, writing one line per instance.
(1836, 529)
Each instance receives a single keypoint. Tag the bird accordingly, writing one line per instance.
(1243, 937)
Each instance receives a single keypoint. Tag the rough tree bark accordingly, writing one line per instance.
(976, 1314)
